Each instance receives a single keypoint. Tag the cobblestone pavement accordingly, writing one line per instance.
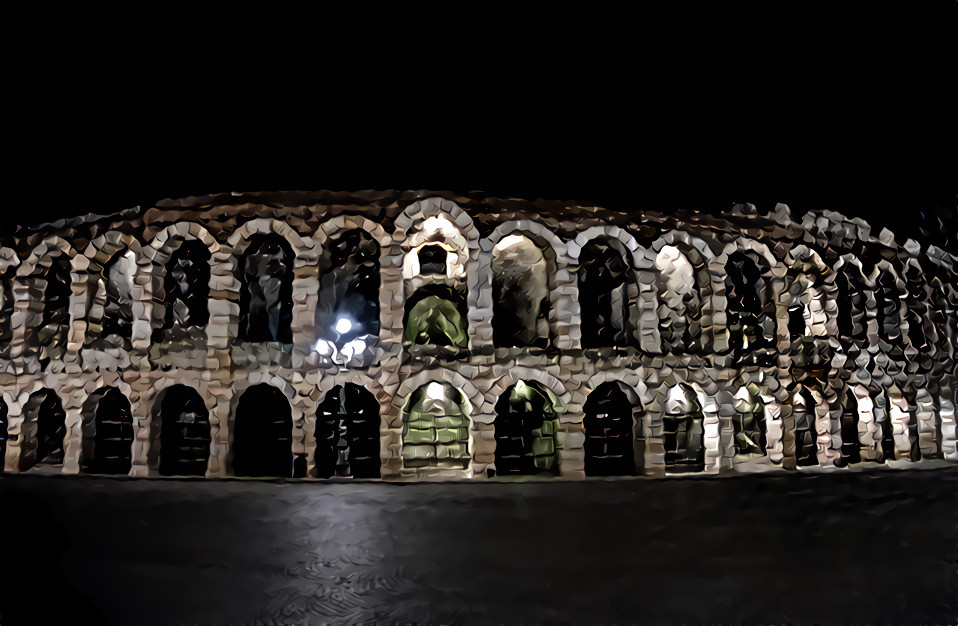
(832, 548)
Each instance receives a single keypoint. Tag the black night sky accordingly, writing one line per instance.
(850, 110)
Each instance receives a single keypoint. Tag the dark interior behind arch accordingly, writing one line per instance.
(263, 433)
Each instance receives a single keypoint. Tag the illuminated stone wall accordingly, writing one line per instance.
(737, 343)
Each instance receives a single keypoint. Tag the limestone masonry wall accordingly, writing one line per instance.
(653, 343)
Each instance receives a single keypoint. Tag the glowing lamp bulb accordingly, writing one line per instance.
(324, 347)
(435, 391)
(343, 325)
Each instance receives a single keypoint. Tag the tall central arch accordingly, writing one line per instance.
(436, 428)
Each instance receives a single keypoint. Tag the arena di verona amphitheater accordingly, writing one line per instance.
(434, 336)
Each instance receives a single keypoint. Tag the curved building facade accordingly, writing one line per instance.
(421, 335)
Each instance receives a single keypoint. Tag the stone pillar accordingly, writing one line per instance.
(72, 397)
(571, 452)
(928, 437)
(654, 428)
(221, 392)
(949, 447)
(141, 382)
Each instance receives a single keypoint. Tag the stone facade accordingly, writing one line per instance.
(841, 356)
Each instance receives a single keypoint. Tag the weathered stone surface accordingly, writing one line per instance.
(861, 328)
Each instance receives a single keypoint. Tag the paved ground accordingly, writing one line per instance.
(838, 548)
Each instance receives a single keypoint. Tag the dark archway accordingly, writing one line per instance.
(751, 309)
(525, 427)
(266, 294)
(887, 303)
(806, 435)
(852, 303)
(44, 430)
(184, 432)
(684, 428)
(347, 433)
(55, 316)
(108, 433)
(609, 432)
(851, 444)
(606, 280)
(263, 433)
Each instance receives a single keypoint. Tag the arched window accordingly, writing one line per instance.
(348, 309)
(807, 300)
(111, 314)
(606, 291)
(852, 306)
(681, 276)
(347, 433)
(806, 434)
(436, 315)
(749, 421)
(186, 285)
(108, 433)
(525, 428)
(520, 293)
(182, 428)
(887, 303)
(266, 299)
(684, 426)
(751, 308)
(436, 428)
(432, 260)
(851, 445)
(435, 249)
(263, 433)
(55, 283)
(43, 430)
(916, 312)
(609, 432)
(682, 279)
